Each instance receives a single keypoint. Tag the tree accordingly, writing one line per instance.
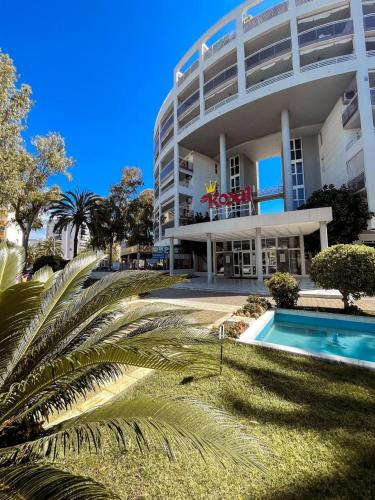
(24, 175)
(58, 342)
(350, 215)
(112, 220)
(347, 268)
(139, 219)
(48, 247)
(75, 210)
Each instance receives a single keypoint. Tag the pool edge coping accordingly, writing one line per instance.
(249, 335)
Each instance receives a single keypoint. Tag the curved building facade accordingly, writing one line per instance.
(296, 81)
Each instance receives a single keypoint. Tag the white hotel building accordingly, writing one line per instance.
(295, 81)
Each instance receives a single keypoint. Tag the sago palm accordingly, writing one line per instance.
(74, 210)
(59, 340)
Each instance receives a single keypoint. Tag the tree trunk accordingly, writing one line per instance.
(25, 244)
(75, 246)
(345, 299)
(110, 254)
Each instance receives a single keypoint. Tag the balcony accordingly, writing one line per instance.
(217, 46)
(185, 180)
(369, 22)
(349, 112)
(166, 171)
(188, 105)
(166, 126)
(357, 183)
(221, 80)
(156, 148)
(186, 165)
(326, 32)
(250, 23)
(268, 53)
(372, 90)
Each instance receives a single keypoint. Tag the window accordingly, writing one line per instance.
(297, 172)
(234, 173)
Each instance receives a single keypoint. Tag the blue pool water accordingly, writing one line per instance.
(321, 335)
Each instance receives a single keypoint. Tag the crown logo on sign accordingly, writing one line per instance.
(211, 187)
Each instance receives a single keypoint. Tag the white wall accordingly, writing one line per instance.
(67, 239)
(204, 172)
(332, 143)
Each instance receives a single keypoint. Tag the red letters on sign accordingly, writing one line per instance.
(216, 200)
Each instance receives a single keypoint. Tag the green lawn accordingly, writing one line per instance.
(317, 418)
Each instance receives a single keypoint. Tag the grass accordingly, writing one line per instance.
(317, 418)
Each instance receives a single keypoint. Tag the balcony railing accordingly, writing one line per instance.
(357, 183)
(187, 182)
(326, 32)
(251, 23)
(232, 212)
(156, 148)
(350, 110)
(186, 165)
(369, 22)
(353, 140)
(223, 77)
(372, 96)
(269, 192)
(167, 125)
(268, 53)
(166, 170)
(269, 81)
(188, 103)
(219, 45)
(187, 73)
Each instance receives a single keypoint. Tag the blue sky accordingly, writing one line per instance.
(100, 70)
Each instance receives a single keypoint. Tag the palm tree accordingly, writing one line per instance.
(49, 246)
(74, 209)
(58, 341)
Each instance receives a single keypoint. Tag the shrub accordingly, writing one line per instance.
(54, 261)
(284, 289)
(234, 329)
(347, 268)
(254, 308)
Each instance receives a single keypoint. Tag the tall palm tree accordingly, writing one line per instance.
(75, 210)
(58, 341)
(48, 246)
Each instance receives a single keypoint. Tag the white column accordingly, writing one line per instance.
(223, 164)
(209, 258)
(214, 258)
(294, 37)
(171, 257)
(364, 102)
(323, 235)
(258, 253)
(201, 82)
(176, 159)
(241, 72)
(302, 250)
(288, 184)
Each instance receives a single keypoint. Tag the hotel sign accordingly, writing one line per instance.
(216, 200)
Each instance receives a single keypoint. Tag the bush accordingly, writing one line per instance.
(55, 261)
(234, 329)
(255, 306)
(284, 289)
(347, 268)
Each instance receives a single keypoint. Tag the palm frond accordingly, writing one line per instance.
(43, 274)
(32, 482)
(11, 265)
(164, 424)
(34, 395)
(53, 302)
(18, 304)
(94, 301)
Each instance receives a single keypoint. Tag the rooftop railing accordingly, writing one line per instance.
(187, 73)
(253, 22)
(219, 45)
(268, 53)
(223, 77)
(326, 32)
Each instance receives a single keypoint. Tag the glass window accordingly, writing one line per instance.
(236, 246)
(220, 263)
(219, 246)
(227, 246)
(271, 242)
(245, 245)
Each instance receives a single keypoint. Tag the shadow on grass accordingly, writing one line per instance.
(324, 404)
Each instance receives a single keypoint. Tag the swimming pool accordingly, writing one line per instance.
(331, 336)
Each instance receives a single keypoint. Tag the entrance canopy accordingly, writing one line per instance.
(297, 222)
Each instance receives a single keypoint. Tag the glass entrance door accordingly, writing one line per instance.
(269, 259)
(248, 264)
(237, 264)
